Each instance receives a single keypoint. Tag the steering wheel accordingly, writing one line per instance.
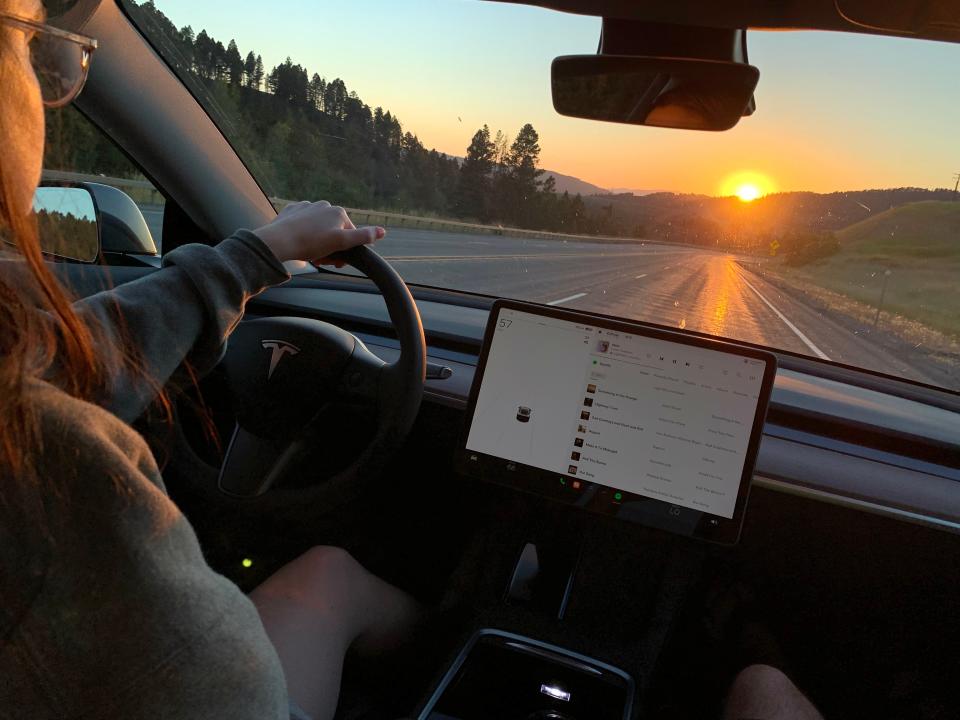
(286, 374)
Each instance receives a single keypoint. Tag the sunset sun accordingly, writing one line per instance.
(746, 185)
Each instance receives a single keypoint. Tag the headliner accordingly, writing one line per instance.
(762, 14)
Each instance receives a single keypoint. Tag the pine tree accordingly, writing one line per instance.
(473, 186)
(249, 69)
(218, 57)
(335, 99)
(500, 151)
(202, 55)
(234, 64)
(187, 39)
(258, 74)
(315, 92)
(524, 157)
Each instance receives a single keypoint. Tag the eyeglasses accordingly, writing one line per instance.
(61, 59)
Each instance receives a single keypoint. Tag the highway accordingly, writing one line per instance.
(675, 286)
(679, 287)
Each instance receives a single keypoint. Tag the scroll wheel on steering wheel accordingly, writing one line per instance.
(438, 372)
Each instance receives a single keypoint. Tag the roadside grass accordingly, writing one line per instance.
(919, 244)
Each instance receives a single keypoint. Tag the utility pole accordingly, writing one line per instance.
(956, 185)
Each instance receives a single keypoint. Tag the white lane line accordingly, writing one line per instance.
(640, 276)
(806, 341)
(561, 301)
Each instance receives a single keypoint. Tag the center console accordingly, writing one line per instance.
(567, 630)
(502, 676)
(589, 416)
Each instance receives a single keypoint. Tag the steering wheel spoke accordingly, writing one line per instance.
(360, 381)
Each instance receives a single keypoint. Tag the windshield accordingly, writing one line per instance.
(826, 224)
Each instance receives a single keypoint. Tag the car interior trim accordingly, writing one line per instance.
(874, 508)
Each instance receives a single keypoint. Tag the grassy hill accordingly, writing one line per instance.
(916, 231)
(918, 243)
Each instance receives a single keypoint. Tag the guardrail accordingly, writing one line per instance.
(144, 193)
(391, 219)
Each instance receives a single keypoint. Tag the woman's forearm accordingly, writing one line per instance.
(184, 311)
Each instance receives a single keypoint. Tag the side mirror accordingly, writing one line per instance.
(113, 225)
(687, 93)
(123, 227)
(67, 223)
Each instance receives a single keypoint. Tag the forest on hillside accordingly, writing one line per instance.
(307, 137)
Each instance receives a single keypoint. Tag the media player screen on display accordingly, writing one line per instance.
(655, 427)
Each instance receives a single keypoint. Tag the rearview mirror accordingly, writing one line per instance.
(690, 94)
(67, 222)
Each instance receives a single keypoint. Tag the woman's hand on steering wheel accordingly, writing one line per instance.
(314, 231)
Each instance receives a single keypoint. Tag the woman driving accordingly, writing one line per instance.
(107, 607)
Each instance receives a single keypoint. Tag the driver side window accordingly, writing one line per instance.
(77, 151)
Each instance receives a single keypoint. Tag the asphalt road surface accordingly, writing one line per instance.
(675, 286)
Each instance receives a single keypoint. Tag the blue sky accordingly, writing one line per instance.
(835, 111)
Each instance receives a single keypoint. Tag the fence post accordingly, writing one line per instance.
(883, 292)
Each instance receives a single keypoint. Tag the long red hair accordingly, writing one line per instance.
(41, 335)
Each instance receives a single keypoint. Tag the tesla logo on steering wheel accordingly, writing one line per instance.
(279, 348)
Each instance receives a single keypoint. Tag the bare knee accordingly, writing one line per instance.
(323, 562)
(323, 575)
(763, 679)
(761, 691)
(329, 572)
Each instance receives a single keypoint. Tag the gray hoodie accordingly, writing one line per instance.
(117, 614)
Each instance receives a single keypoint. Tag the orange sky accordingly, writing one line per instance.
(835, 111)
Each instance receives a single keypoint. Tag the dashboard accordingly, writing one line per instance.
(832, 434)
(836, 435)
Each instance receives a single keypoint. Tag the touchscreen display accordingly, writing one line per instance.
(615, 406)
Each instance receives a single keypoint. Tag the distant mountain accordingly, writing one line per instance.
(565, 183)
(574, 185)
(632, 191)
